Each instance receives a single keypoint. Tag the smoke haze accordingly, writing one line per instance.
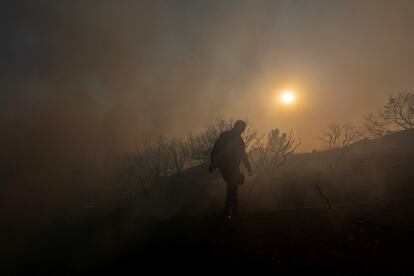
(96, 76)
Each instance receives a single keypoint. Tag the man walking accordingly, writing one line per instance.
(228, 151)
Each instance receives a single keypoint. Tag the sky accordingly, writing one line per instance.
(86, 79)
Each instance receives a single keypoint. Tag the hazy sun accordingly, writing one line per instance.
(288, 97)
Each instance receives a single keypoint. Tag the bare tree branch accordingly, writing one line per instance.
(273, 152)
(397, 114)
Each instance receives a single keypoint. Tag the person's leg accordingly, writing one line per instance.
(233, 199)
(231, 175)
(227, 204)
(227, 207)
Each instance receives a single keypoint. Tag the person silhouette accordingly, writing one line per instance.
(228, 152)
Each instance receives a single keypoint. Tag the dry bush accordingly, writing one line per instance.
(158, 160)
(272, 152)
(179, 155)
(340, 136)
(146, 168)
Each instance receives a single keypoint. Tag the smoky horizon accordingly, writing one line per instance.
(104, 75)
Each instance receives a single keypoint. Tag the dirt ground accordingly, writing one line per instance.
(370, 238)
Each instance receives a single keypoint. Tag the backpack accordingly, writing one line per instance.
(224, 151)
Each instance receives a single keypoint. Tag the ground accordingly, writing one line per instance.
(369, 238)
(287, 225)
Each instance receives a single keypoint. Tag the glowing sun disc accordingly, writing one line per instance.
(288, 97)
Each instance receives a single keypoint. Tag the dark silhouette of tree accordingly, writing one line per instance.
(338, 136)
(397, 114)
(400, 110)
(272, 152)
(179, 155)
(145, 169)
(376, 126)
(157, 164)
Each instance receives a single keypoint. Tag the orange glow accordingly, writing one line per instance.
(288, 97)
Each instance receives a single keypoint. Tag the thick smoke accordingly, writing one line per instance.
(83, 82)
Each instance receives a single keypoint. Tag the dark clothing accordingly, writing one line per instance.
(227, 153)
(229, 149)
(233, 178)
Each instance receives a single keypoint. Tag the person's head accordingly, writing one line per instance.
(239, 126)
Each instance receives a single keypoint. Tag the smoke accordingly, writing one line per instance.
(84, 82)
(130, 69)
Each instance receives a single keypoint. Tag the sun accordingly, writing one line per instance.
(288, 97)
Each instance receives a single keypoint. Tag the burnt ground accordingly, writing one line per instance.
(369, 238)
(158, 234)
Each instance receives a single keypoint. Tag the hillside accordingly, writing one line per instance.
(359, 221)
(368, 170)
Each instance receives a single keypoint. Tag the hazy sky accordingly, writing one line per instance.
(91, 77)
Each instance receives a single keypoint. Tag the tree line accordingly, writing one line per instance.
(165, 159)
(397, 114)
